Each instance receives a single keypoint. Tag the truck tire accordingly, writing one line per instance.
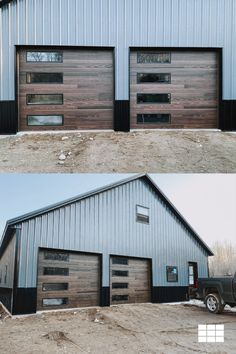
(213, 303)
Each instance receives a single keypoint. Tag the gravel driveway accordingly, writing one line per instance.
(132, 329)
(139, 151)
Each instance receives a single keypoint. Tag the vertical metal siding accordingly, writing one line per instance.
(8, 259)
(106, 223)
(123, 23)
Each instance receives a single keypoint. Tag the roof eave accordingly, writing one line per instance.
(5, 2)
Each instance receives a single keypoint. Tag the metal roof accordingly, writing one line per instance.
(13, 222)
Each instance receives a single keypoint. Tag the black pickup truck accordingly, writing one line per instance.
(217, 292)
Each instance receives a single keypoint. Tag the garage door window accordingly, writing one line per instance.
(120, 297)
(153, 118)
(172, 273)
(44, 78)
(55, 271)
(56, 256)
(119, 285)
(153, 78)
(54, 286)
(150, 58)
(45, 120)
(51, 99)
(153, 98)
(120, 260)
(120, 273)
(54, 57)
(55, 302)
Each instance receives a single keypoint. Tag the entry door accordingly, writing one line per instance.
(192, 274)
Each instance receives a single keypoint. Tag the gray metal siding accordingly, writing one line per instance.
(123, 23)
(8, 259)
(106, 223)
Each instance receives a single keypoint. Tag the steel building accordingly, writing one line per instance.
(124, 243)
(109, 64)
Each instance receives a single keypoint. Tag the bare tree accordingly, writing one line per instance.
(224, 260)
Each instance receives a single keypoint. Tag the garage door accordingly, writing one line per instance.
(174, 89)
(129, 280)
(65, 89)
(67, 280)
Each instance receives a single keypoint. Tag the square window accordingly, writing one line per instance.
(172, 273)
(142, 214)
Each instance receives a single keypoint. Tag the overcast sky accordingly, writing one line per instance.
(207, 201)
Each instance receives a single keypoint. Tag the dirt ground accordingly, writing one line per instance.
(139, 151)
(132, 329)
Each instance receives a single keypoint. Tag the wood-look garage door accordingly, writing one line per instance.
(67, 280)
(130, 280)
(65, 89)
(175, 89)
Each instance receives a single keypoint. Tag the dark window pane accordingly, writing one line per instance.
(55, 302)
(153, 118)
(56, 256)
(119, 285)
(150, 58)
(143, 218)
(120, 297)
(44, 99)
(55, 271)
(44, 57)
(119, 260)
(158, 78)
(55, 286)
(45, 120)
(172, 274)
(120, 273)
(153, 97)
(44, 78)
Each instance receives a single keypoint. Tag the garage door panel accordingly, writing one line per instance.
(83, 280)
(87, 88)
(193, 90)
(136, 276)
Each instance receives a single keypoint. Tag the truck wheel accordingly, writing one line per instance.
(213, 303)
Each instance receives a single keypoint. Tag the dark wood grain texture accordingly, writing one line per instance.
(87, 90)
(138, 279)
(193, 88)
(83, 281)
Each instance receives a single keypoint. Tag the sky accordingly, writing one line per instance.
(207, 201)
